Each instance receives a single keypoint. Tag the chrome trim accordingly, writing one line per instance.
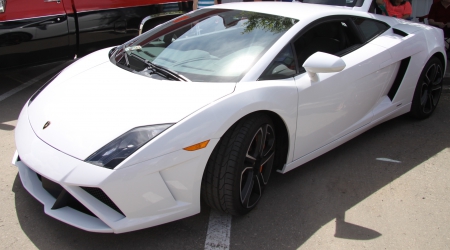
(171, 13)
(20, 19)
(2, 6)
(84, 11)
(49, 1)
(173, 2)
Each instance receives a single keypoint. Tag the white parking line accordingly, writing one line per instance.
(31, 82)
(388, 160)
(218, 235)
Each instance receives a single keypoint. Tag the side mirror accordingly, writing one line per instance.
(321, 62)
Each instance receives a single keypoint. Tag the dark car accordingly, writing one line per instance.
(37, 31)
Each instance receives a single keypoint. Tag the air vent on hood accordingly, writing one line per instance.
(399, 32)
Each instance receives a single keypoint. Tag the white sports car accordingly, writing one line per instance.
(209, 104)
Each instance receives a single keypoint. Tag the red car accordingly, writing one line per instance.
(36, 31)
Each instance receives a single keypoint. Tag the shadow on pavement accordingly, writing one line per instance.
(48, 233)
(351, 231)
(295, 205)
(11, 106)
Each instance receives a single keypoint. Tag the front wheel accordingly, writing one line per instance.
(428, 89)
(240, 166)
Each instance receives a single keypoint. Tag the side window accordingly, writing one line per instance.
(370, 28)
(282, 66)
(333, 37)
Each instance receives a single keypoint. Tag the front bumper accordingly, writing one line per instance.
(147, 194)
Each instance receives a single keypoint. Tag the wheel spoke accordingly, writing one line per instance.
(424, 98)
(429, 102)
(247, 179)
(257, 186)
(426, 80)
(249, 161)
(266, 167)
(255, 146)
(259, 140)
(431, 74)
(256, 192)
(432, 101)
(269, 140)
(436, 88)
(438, 76)
(267, 157)
(251, 191)
(436, 93)
(263, 139)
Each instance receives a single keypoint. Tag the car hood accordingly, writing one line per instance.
(87, 110)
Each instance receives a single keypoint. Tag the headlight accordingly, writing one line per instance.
(119, 149)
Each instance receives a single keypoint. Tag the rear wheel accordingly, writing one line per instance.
(240, 166)
(428, 89)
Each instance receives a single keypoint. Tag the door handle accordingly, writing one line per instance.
(2, 6)
(50, 22)
(49, 1)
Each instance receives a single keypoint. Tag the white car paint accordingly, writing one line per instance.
(82, 99)
(92, 102)
(339, 102)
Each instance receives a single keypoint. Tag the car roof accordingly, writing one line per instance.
(295, 10)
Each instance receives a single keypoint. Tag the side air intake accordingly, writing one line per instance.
(101, 196)
(399, 78)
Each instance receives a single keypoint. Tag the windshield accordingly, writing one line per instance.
(209, 45)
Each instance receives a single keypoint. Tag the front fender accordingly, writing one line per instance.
(213, 120)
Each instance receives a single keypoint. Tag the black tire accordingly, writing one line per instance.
(428, 89)
(240, 166)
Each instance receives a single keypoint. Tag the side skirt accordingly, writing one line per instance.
(400, 111)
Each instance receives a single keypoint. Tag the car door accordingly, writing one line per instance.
(105, 23)
(32, 32)
(339, 103)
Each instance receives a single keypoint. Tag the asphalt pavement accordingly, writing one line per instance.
(386, 189)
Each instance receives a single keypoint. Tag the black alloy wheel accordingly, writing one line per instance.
(239, 168)
(257, 166)
(428, 89)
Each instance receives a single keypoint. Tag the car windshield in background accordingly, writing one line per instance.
(209, 45)
(347, 3)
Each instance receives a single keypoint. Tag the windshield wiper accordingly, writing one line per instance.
(161, 70)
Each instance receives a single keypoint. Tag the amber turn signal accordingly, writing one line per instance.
(197, 146)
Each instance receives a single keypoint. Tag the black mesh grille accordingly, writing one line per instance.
(63, 198)
(101, 196)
